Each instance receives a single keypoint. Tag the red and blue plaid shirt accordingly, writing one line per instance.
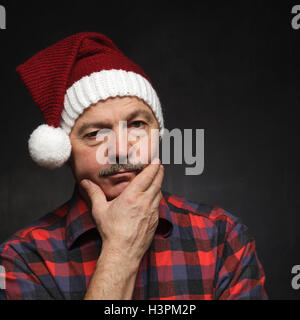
(198, 252)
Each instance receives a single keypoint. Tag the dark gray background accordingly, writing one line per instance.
(231, 68)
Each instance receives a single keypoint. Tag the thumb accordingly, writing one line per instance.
(94, 192)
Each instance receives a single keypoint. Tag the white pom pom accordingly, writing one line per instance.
(49, 147)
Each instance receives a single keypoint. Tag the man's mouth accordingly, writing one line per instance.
(124, 173)
(122, 176)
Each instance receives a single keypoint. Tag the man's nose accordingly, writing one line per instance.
(120, 152)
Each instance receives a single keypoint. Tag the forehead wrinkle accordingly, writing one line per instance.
(133, 112)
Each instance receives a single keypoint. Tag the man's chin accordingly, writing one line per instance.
(117, 190)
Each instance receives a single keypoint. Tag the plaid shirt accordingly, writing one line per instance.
(198, 252)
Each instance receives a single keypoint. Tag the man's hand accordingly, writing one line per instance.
(127, 223)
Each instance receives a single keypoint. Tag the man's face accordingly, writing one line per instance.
(107, 115)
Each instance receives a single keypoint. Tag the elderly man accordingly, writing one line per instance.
(119, 236)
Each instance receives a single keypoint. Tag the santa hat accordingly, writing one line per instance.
(71, 75)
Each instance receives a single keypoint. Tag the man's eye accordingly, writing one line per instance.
(138, 124)
(92, 134)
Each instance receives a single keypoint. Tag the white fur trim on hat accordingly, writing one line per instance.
(105, 84)
(49, 147)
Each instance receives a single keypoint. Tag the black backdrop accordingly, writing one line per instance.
(230, 68)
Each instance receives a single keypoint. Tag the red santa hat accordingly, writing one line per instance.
(71, 75)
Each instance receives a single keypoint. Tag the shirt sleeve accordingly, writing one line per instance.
(17, 279)
(241, 275)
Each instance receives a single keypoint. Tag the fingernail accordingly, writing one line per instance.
(156, 161)
(85, 182)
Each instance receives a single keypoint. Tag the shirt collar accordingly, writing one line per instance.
(79, 219)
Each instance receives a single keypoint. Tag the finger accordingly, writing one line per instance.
(94, 192)
(157, 182)
(144, 179)
(157, 199)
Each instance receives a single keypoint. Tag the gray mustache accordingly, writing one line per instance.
(115, 168)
